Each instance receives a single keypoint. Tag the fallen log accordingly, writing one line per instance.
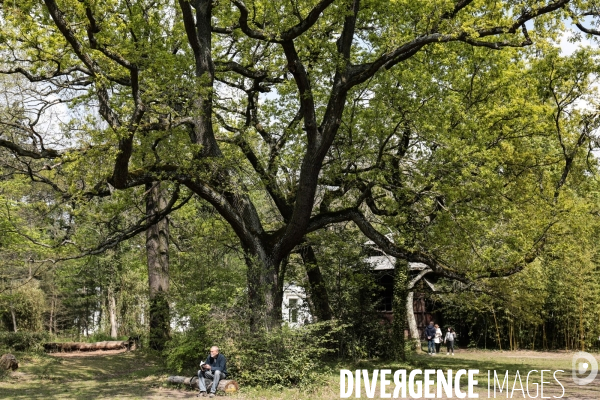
(81, 346)
(8, 361)
(226, 385)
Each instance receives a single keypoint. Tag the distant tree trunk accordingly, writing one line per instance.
(14, 318)
(497, 330)
(398, 352)
(412, 322)
(112, 313)
(86, 320)
(55, 317)
(157, 252)
(51, 315)
(317, 290)
(581, 330)
(12, 311)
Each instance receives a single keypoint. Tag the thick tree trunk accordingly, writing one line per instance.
(398, 306)
(415, 339)
(112, 313)
(318, 295)
(157, 252)
(265, 293)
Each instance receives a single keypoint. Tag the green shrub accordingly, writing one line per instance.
(185, 349)
(28, 303)
(286, 357)
(24, 341)
(103, 337)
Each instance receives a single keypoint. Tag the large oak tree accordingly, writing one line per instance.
(239, 103)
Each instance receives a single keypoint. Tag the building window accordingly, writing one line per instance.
(293, 309)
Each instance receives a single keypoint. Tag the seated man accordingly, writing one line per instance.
(213, 368)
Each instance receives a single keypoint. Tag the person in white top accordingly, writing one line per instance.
(438, 338)
(449, 340)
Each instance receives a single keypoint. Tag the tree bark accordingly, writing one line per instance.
(14, 317)
(112, 313)
(317, 290)
(51, 315)
(265, 292)
(398, 301)
(157, 252)
(415, 338)
(86, 320)
(264, 289)
(55, 318)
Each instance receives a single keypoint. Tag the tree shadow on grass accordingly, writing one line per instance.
(558, 382)
(126, 375)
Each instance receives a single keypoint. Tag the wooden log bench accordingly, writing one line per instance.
(82, 346)
(226, 385)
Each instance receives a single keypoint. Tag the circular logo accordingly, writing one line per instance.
(581, 366)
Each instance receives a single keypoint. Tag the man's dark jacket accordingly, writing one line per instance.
(430, 331)
(217, 364)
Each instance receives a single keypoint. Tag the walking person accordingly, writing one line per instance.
(449, 340)
(438, 338)
(430, 335)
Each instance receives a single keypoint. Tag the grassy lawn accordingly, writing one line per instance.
(125, 375)
(522, 361)
(136, 375)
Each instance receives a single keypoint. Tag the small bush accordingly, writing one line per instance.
(289, 357)
(286, 357)
(24, 341)
(185, 349)
(103, 337)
